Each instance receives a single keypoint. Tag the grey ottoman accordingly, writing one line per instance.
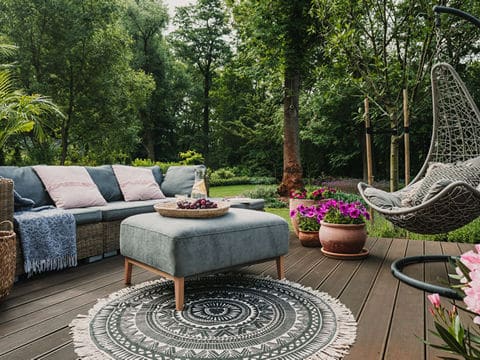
(177, 247)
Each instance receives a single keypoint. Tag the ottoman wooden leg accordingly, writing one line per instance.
(128, 272)
(280, 267)
(179, 292)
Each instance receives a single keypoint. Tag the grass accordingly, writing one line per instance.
(230, 190)
(236, 190)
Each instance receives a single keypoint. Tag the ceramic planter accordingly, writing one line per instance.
(309, 238)
(345, 240)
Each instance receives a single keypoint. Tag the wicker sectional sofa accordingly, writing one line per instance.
(98, 228)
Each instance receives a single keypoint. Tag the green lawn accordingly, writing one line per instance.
(230, 190)
(236, 190)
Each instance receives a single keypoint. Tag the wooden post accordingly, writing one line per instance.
(406, 136)
(368, 143)
(368, 138)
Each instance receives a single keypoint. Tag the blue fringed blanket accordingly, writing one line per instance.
(48, 239)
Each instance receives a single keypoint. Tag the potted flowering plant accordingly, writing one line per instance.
(308, 224)
(457, 338)
(342, 231)
(308, 198)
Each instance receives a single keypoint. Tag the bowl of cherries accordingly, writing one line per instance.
(199, 208)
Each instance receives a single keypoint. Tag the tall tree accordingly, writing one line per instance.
(284, 37)
(201, 40)
(146, 19)
(79, 53)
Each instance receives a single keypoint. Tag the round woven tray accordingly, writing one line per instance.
(171, 210)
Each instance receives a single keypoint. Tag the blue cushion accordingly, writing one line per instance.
(27, 184)
(86, 215)
(157, 174)
(104, 177)
(179, 180)
(183, 247)
(119, 210)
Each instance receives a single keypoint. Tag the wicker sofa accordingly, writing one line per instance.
(97, 228)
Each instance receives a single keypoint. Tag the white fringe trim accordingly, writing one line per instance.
(37, 266)
(338, 347)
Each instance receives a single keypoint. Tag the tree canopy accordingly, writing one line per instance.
(270, 88)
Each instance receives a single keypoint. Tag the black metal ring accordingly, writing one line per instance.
(398, 265)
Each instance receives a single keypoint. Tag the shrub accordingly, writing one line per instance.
(191, 157)
(268, 193)
(147, 162)
(220, 174)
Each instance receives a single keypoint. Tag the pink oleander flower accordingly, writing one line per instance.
(471, 259)
(434, 299)
(457, 338)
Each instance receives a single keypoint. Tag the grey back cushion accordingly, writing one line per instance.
(104, 177)
(27, 184)
(467, 174)
(157, 174)
(179, 180)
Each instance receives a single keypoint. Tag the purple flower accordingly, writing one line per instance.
(293, 213)
(354, 213)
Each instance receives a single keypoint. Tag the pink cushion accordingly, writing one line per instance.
(137, 183)
(70, 186)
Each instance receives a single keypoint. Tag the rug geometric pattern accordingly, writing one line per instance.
(225, 317)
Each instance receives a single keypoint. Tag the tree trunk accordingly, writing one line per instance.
(292, 168)
(66, 122)
(206, 113)
(394, 155)
(149, 144)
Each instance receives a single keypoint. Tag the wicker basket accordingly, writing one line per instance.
(7, 258)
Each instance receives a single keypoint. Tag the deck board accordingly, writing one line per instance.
(405, 328)
(34, 318)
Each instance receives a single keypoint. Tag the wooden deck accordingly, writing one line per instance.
(391, 316)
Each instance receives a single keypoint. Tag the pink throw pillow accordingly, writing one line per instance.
(70, 186)
(137, 183)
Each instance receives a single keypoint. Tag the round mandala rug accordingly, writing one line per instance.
(225, 317)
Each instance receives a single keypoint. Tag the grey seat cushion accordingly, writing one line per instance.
(86, 215)
(104, 177)
(179, 180)
(119, 210)
(246, 203)
(183, 247)
(382, 198)
(27, 184)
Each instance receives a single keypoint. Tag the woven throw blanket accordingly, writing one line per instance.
(48, 239)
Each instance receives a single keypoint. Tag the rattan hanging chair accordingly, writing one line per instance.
(455, 138)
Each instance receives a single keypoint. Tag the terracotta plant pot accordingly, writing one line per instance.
(309, 238)
(342, 238)
(293, 205)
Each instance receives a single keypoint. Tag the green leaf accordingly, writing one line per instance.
(450, 340)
